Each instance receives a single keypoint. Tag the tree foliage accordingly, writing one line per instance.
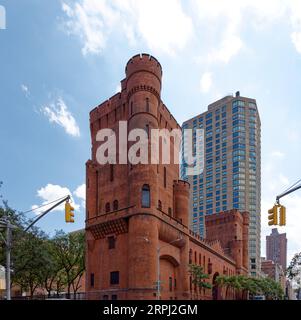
(294, 272)
(38, 261)
(198, 277)
(69, 252)
(244, 285)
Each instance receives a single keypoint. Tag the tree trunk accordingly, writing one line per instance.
(69, 291)
(226, 297)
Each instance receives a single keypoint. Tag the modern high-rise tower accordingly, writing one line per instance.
(231, 178)
(276, 247)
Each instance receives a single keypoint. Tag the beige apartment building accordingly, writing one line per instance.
(231, 177)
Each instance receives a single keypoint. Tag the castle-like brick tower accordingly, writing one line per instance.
(137, 215)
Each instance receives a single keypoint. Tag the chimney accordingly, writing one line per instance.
(237, 94)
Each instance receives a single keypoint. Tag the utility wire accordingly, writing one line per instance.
(44, 205)
(291, 186)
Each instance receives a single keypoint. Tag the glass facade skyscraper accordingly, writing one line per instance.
(231, 178)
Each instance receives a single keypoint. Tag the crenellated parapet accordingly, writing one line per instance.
(143, 62)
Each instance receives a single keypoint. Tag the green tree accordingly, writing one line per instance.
(53, 278)
(198, 277)
(230, 283)
(294, 272)
(70, 253)
(244, 285)
(29, 260)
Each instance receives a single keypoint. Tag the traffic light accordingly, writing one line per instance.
(69, 212)
(282, 216)
(273, 216)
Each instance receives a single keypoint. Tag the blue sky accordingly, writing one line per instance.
(59, 59)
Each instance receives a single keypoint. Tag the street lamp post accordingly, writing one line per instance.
(6, 224)
(158, 266)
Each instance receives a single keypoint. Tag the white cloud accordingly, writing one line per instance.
(278, 154)
(230, 46)
(296, 39)
(296, 24)
(51, 193)
(118, 88)
(25, 90)
(225, 20)
(163, 25)
(80, 193)
(206, 82)
(293, 135)
(58, 113)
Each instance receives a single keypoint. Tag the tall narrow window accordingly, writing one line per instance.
(96, 191)
(92, 280)
(159, 205)
(111, 172)
(145, 196)
(115, 205)
(169, 211)
(147, 104)
(164, 177)
(111, 241)
(114, 277)
(131, 108)
(108, 209)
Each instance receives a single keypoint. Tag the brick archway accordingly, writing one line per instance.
(216, 290)
(171, 259)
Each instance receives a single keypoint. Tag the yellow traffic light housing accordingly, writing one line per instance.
(282, 216)
(69, 212)
(273, 216)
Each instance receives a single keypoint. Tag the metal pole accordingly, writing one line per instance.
(8, 248)
(44, 213)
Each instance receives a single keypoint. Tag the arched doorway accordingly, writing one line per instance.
(169, 277)
(215, 288)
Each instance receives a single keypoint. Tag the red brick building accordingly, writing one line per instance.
(137, 213)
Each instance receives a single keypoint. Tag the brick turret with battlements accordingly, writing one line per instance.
(134, 213)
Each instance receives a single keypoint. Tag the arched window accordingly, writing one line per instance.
(190, 256)
(108, 209)
(145, 197)
(147, 104)
(159, 205)
(115, 205)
